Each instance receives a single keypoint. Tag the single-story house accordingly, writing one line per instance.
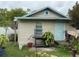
(46, 20)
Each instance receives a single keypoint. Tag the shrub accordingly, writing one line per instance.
(3, 40)
(48, 37)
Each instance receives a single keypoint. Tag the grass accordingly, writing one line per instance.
(55, 53)
(12, 50)
(60, 53)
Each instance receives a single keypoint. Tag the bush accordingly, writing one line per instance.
(48, 38)
(3, 40)
(63, 47)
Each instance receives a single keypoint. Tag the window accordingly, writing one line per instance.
(38, 26)
(46, 12)
(38, 29)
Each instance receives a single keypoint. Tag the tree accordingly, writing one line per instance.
(15, 13)
(7, 17)
(74, 15)
(4, 20)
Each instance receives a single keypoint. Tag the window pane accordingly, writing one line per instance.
(38, 29)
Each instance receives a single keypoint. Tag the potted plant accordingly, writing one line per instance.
(30, 44)
(3, 42)
(48, 38)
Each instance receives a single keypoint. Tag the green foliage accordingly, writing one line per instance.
(77, 47)
(16, 13)
(48, 38)
(12, 50)
(43, 54)
(4, 20)
(74, 15)
(63, 47)
(3, 40)
(7, 16)
(73, 41)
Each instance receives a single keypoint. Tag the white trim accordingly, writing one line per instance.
(43, 9)
(40, 18)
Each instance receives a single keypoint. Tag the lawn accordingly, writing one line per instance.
(12, 50)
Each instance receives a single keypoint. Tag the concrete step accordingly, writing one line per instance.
(39, 43)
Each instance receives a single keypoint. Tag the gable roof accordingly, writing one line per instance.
(28, 16)
(49, 8)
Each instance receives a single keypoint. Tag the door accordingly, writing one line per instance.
(38, 35)
(59, 31)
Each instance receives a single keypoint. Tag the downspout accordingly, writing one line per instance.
(15, 35)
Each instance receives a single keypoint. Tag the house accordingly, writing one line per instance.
(46, 20)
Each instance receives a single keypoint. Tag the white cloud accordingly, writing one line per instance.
(66, 6)
(61, 6)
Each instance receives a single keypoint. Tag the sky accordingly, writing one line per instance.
(61, 6)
